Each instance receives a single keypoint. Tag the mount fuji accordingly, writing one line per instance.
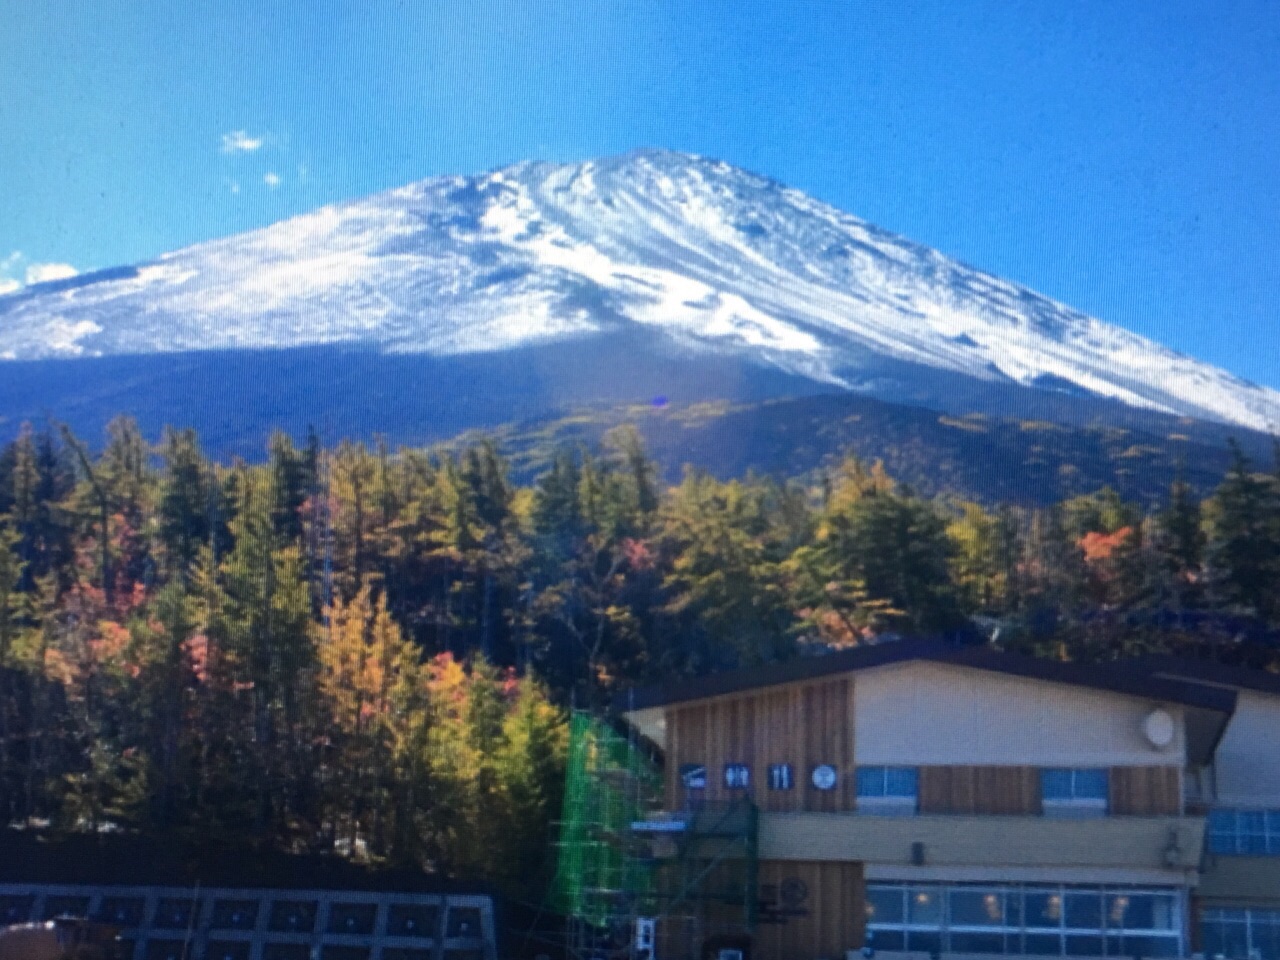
(464, 301)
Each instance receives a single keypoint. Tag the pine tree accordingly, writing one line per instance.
(187, 504)
(1244, 547)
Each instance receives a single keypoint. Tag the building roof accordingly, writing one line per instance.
(1119, 677)
(1209, 672)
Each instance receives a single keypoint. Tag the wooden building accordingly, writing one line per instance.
(927, 799)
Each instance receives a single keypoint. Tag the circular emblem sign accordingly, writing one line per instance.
(793, 892)
(825, 777)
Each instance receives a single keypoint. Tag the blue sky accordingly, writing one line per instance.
(1123, 157)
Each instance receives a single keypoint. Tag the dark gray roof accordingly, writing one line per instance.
(1210, 672)
(1123, 677)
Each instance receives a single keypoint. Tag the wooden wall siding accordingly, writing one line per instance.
(980, 790)
(1146, 791)
(836, 919)
(801, 724)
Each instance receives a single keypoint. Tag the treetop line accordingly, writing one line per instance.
(358, 649)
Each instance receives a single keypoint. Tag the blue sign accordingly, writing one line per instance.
(694, 776)
(781, 777)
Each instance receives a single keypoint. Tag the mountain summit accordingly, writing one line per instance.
(678, 255)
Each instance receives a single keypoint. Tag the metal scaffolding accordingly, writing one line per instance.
(624, 860)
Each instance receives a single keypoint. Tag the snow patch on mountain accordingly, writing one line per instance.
(695, 251)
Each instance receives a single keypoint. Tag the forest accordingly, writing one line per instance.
(372, 651)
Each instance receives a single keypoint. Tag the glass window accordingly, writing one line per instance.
(352, 918)
(234, 915)
(463, 922)
(1249, 833)
(1084, 946)
(1088, 786)
(887, 790)
(1031, 920)
(174, 913)
(292, 916)
(892, 940)
(977, 943)
(1043, 945)
(1055, 784)
(1083, 911)
(901, 782)
(413, 920)
(1043, 910)
(976, 908)
(885, 905)
(889, 782)
(1222, 831)
(924, 907)
(924, 941)
(1241, 934)
(121, 911)
(1265, 937)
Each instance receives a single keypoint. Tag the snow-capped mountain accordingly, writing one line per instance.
(692, 255)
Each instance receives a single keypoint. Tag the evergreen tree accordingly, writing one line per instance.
(1244, 547)
(188, 502)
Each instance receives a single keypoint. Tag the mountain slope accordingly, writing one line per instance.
(992, 460)
(654, 253)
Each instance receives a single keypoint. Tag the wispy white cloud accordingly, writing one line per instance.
(8, 285)
(239, 141)
(233, 186)
(272, 179)
(44, 272)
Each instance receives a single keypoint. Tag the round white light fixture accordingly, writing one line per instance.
(1159, 728)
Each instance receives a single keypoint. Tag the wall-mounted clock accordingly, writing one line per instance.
(825, 777)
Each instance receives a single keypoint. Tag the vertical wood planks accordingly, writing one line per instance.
(802, 725)
(1146, 791)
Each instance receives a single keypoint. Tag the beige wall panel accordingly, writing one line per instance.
(1248, 759)
(1242, 881)
(1139, 843)
(925, 713)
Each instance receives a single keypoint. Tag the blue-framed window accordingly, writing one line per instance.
(890, 789)
(1075, 790)
(1241, 934)
(1245, 833)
